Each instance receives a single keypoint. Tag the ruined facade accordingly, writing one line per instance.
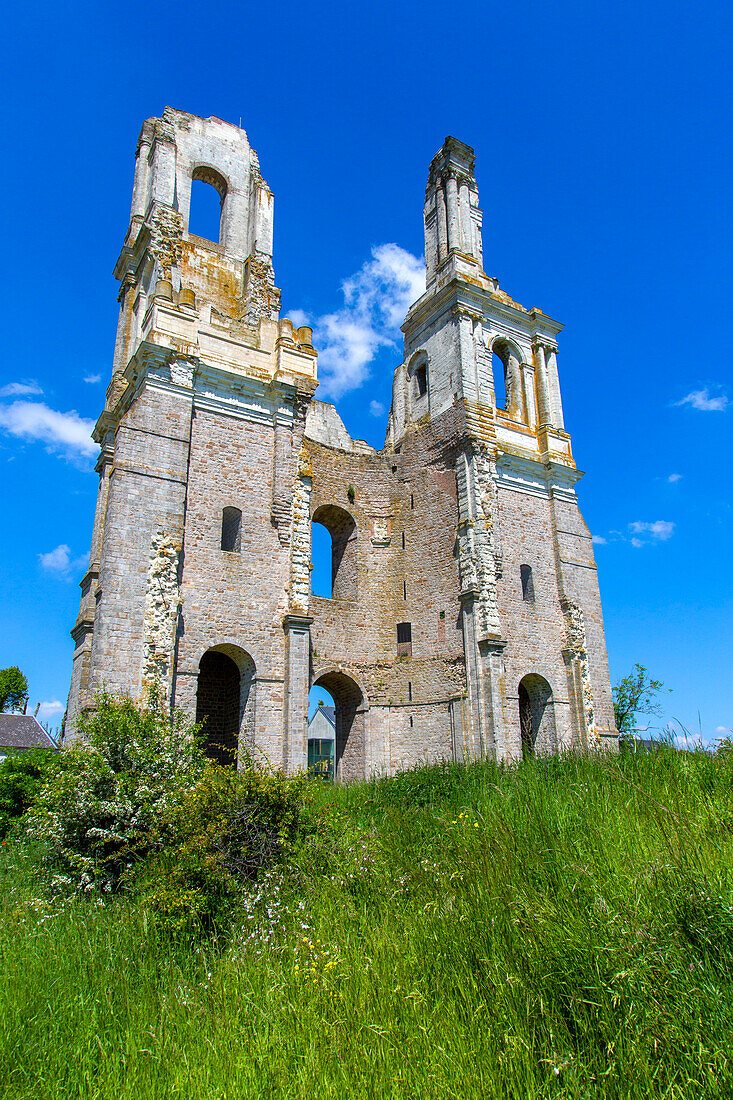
(465, 617)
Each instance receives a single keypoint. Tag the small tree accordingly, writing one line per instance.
(635, 694)
(13, 689)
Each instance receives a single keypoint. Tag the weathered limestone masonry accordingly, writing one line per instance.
(465, 617)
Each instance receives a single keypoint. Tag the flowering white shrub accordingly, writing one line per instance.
(92, 816)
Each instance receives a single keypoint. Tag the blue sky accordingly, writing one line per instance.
(602, 134)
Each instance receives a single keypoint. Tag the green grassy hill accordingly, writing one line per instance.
(559, 929)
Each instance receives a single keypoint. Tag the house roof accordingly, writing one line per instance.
(22, 731)
(329, 714)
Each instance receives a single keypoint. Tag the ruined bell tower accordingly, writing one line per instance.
(205, 412)
(464, 618)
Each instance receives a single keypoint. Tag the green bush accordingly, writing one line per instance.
(21, 777)
(213, 839)
(91, 815)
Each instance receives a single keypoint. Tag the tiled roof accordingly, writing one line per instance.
(22, 731)
(329, 713)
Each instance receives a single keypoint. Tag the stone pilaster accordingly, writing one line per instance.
(297, 682)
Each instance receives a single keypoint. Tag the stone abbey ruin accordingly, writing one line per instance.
(465, 617)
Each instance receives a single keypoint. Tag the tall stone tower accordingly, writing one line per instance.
(464, 617)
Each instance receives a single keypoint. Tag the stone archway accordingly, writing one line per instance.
(225, 701)
(350, 762)
(536, 716)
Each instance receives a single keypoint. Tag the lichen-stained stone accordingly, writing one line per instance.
(210, 407)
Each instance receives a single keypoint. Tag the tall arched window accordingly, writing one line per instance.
(418, 373)
(231, 530)
(208, 192)
(341, 528)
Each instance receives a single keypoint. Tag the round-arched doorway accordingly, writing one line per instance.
(225, 702)
(536, 716)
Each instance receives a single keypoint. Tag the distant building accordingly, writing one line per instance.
(20, 732)
(322, 740)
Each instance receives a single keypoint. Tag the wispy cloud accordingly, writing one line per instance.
(376, 408)
(50, 710)
(639, 533)
(21, 389)
(704, 402)
(376, 299)
(60, 562)
(66, 433)
(92, 379)
(674, 478)
(659, 530)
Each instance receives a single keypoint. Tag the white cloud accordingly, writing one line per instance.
(299, 317)
(376, 299)
(68, 432)
(20, 389)
(701, 400)
(60, 561)
(51, 709)
(599, 540)
(92, 379)
(376, 408)
(674, 478)
(659, 531)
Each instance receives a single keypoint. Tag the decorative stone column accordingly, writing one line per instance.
(466, 227)
(554, 387)
(442, 224)
(142, 173)
(453, 212)
(543, 395)
(530, 400)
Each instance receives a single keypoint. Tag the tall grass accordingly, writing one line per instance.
(559, 929)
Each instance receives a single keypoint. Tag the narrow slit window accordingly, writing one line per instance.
(404, 639)
(403, 540)
(421, 381)
(409, 690)
(231, 530)
(404, 590)
(527, 583)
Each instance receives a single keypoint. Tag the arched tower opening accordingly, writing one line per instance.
(350, 705)
(505, 365)
(536, 716)
(225, 702)
(208, 194)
